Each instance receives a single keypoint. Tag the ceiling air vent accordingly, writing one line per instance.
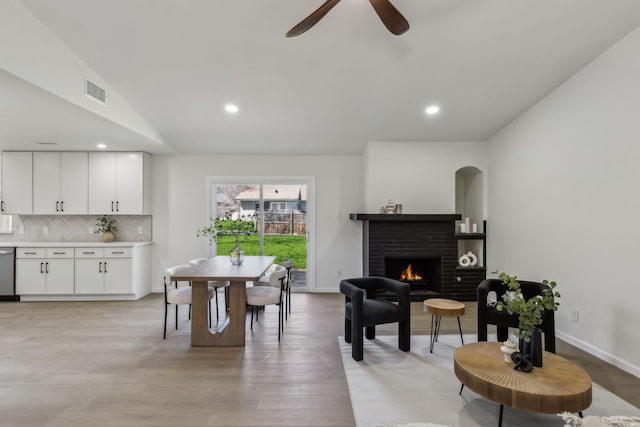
(95, 92)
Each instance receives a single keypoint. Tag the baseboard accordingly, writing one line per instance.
(600, 354)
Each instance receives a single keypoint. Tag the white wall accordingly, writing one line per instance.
(420, 175)
(180, 194)
(31, 51)
(564, 202)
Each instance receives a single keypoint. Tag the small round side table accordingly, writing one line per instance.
(439, 307)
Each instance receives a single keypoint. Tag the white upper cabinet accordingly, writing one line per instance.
(17, 180)
(60, 183)
(119, 183)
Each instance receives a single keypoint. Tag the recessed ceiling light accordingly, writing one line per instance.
(231, 108)
(432, 109)
(102, 146)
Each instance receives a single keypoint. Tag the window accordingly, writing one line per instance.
(5, 223)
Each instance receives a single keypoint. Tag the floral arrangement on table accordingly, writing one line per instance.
(529, 311)
(105, 224)
(227, 225)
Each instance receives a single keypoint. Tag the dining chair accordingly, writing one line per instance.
(271, 294)
(176, 294)
(288, 264)
(215, 285)
(265, 280)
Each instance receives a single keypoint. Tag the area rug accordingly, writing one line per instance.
(393, 387)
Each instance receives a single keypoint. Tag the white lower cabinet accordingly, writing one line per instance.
(104, 271)
(44, 271)
(83, 273)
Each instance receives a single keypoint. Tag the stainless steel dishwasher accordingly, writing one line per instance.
(8, 275)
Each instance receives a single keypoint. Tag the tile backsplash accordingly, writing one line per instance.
(75, 228)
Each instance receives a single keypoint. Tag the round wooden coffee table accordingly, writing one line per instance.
(439, 307)
(558, 386)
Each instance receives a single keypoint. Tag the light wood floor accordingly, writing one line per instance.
(106, 364)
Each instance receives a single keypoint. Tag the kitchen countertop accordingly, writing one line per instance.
(96, 244)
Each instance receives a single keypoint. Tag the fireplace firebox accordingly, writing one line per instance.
(421, 273)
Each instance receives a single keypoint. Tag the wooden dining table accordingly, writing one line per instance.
(231, 332)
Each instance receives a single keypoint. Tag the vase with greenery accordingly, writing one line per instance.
(106, 226)
(530, 310)
(228, 225)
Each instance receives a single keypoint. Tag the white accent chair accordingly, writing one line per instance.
(271, 294)
(215, 284)
(176, 294)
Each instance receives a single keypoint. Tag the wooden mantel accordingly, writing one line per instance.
(405, 217)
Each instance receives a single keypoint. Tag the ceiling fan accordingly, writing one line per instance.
(390, 16)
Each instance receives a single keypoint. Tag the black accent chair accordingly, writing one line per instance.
(489, 315)
(363, 310)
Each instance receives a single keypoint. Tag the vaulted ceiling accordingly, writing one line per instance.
(343, 83)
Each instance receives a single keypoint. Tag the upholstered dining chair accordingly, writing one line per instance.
(489, 315)
(264, 279)
(271, 294)
(176, 294)
(215, 285)
(363, 310)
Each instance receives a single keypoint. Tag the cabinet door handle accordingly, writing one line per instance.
(59, 253)
(30, 253)
(62, 206)
(112, 206)
(46, 267)
(57, 206)
(88, 253)
(117, 252)
(117, 207)
(41, 268)
(100, 267)
(105, 267)
(2, 206)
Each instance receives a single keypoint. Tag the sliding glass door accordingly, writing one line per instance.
(266, 217)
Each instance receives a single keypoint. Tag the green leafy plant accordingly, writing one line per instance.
(529, 311)
(227, 225)
(105, 224)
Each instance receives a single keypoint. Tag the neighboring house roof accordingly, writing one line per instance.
(274, 192)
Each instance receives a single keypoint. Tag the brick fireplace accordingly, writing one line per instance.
(427, 242)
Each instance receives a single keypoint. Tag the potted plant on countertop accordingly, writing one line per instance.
(106, 226)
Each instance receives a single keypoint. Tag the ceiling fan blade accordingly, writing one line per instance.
(390, 16)
(312, 19)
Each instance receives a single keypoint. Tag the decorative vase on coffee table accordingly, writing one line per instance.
(533, 348)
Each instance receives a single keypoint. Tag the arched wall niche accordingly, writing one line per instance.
(469, 195)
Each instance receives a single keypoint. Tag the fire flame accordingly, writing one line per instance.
(408, 274)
